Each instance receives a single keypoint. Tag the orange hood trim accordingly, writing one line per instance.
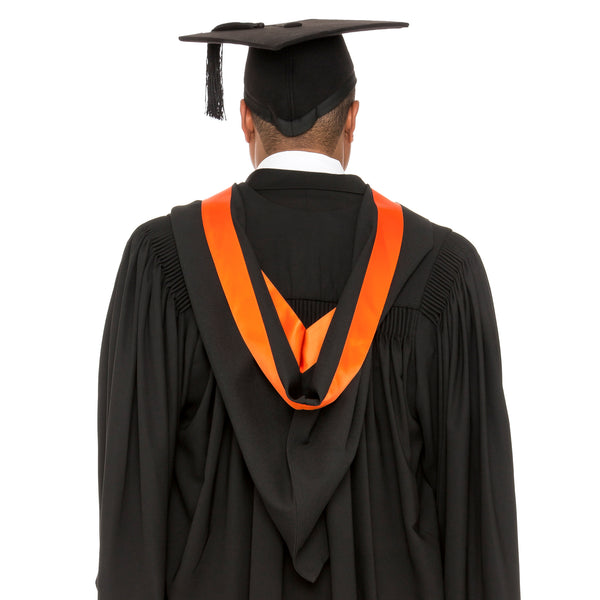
(305, 343)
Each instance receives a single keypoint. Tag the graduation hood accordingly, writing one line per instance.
(296, 458)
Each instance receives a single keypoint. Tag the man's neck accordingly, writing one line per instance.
(302, 160)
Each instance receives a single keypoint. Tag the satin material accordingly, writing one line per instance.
(305, 342)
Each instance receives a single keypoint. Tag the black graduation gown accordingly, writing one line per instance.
(212, 487)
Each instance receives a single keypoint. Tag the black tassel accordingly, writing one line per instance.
(214, 71)
(214, 82)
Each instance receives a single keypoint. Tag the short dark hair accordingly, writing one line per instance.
(323, 135)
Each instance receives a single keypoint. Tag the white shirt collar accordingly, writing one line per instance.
(301, 160)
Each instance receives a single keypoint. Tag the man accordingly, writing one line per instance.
(300, 388)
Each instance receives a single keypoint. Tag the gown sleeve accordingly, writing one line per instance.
(139, 386)
(468, 442)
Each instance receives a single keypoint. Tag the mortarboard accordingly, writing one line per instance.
(295, 72)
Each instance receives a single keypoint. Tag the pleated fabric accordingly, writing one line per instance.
(425, 511)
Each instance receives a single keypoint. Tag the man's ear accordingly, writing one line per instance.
(351, 121)
(247, 121)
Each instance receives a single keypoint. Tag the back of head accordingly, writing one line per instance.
(293, 87)
(322, 136)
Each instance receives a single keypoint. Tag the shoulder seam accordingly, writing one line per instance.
(160, 236)
(453, 256)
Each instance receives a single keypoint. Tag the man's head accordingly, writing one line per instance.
(332, 134)
(299, 98)
(298, 83)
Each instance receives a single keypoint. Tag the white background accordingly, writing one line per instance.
(480, 116)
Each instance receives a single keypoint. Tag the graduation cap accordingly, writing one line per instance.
(295, 72)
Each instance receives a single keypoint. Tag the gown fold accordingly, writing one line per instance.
(466, 425)
(148, 340)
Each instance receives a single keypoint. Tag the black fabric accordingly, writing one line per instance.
(291, 88)
(311, 386)
(195, 493)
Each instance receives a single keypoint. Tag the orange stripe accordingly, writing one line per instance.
(305, 343)
(231, 267)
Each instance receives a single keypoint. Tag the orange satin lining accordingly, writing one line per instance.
(305, 342)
